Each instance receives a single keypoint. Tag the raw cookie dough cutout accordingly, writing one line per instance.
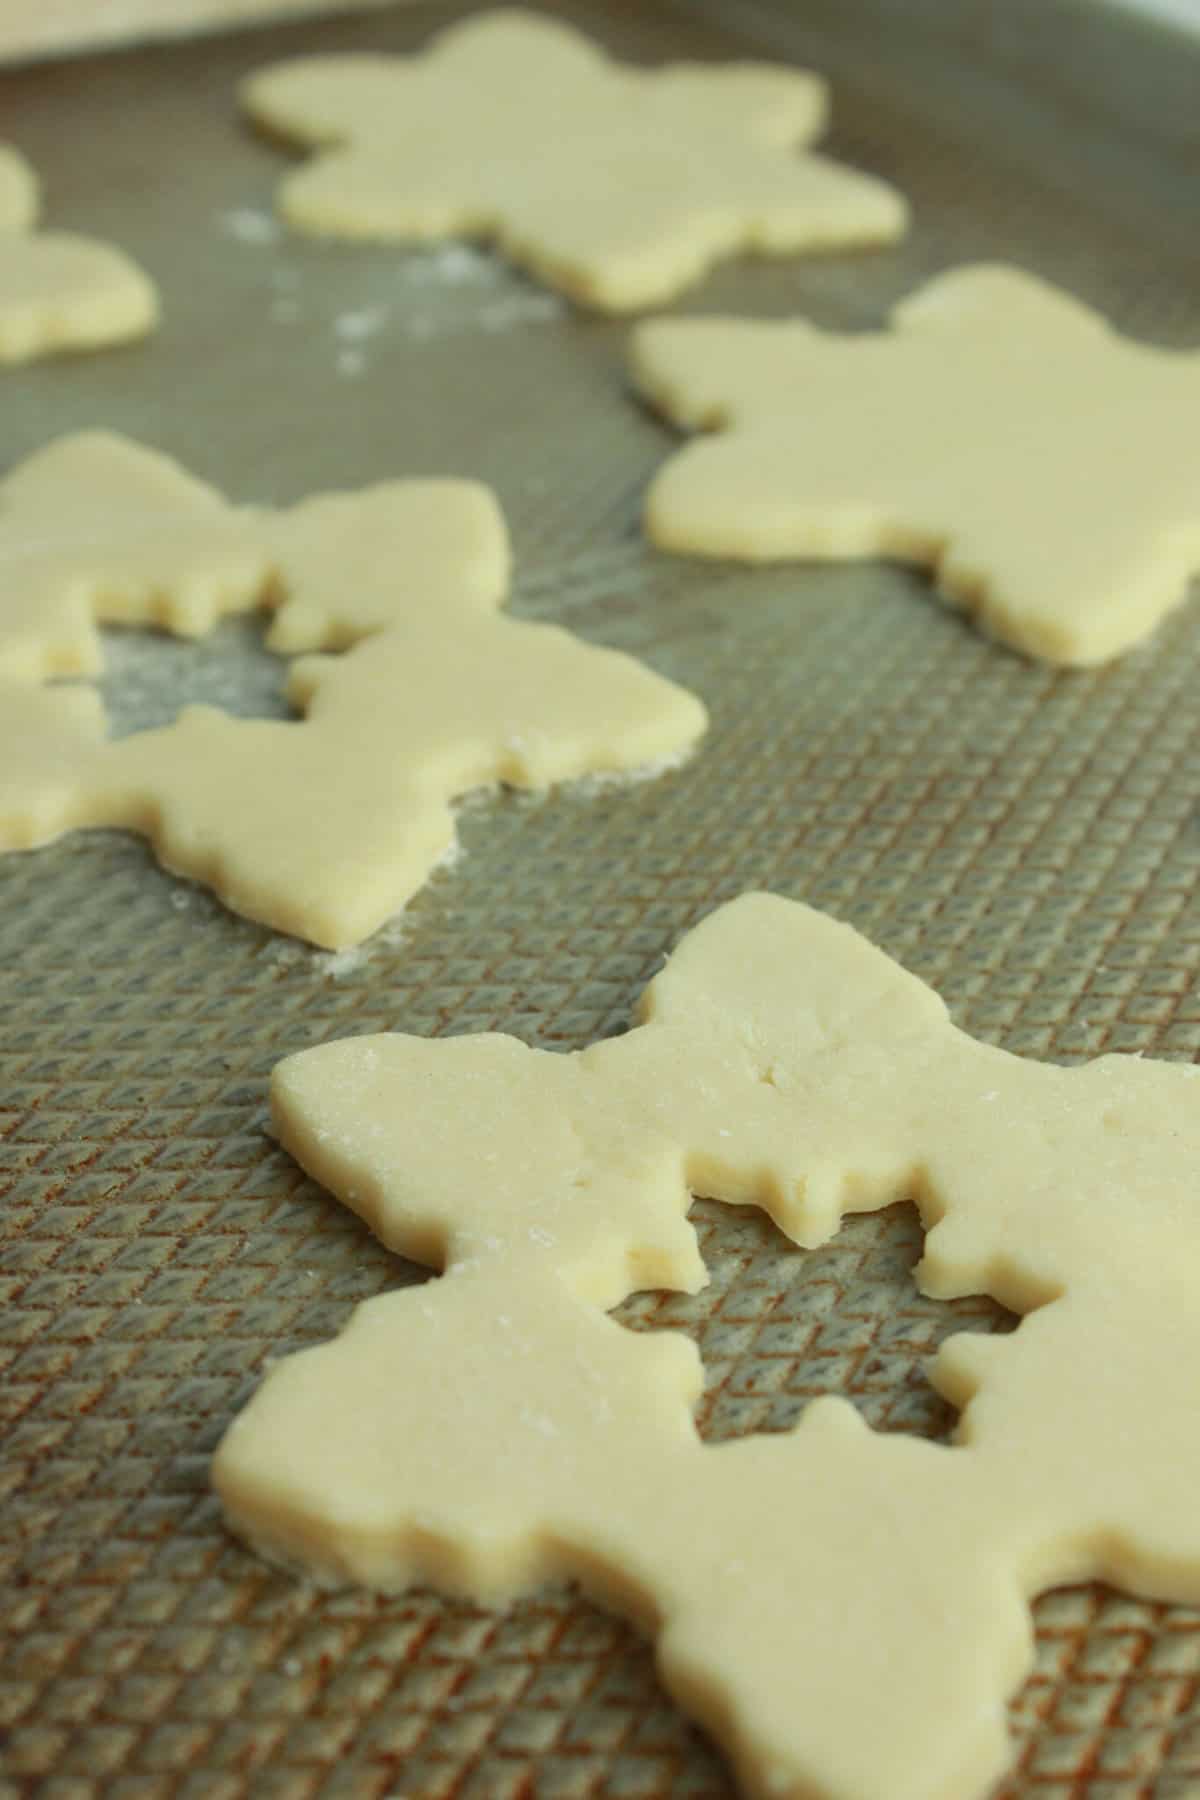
(1000, 432)
(59, 291)
(846, 1613)
(322, 827)
(621, 186)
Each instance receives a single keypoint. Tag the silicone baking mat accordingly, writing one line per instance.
(1026, 840)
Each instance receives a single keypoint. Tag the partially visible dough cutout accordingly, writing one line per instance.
(620, 186)
(59, 291)
(1045, 468)
(846, 1613)
(322, 827)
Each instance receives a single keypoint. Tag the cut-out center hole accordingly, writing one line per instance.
(778, 1326)
(150, 675)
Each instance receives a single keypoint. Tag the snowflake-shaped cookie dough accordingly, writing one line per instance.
(1047, 470)
(846, 1613)
(322, 826)
(618, 185)
(59, 291)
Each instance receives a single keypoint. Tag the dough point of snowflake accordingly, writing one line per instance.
(59, 291)
(846, 1613)
(1000, 432)
(620, 186)
(323, 826)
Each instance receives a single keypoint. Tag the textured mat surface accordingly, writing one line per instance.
(1025, 840)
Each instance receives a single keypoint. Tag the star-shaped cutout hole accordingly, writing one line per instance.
(59, 291)
(1000, 433)
(619, 185)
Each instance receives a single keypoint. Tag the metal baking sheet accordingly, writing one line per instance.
(1025, 839)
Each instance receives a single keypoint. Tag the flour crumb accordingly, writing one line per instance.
(250, 226)
(351, 363)
(521, 309)
(355, 327)
(451, 856)
(451, 265)
(284, 952)
(603, 779)
(337, 964)
(502, 314)
(394, 932)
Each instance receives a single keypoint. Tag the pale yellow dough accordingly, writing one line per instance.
(59, 291)
(618, 185)
(846, 1613)
(323, 827)
(1047, 470)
